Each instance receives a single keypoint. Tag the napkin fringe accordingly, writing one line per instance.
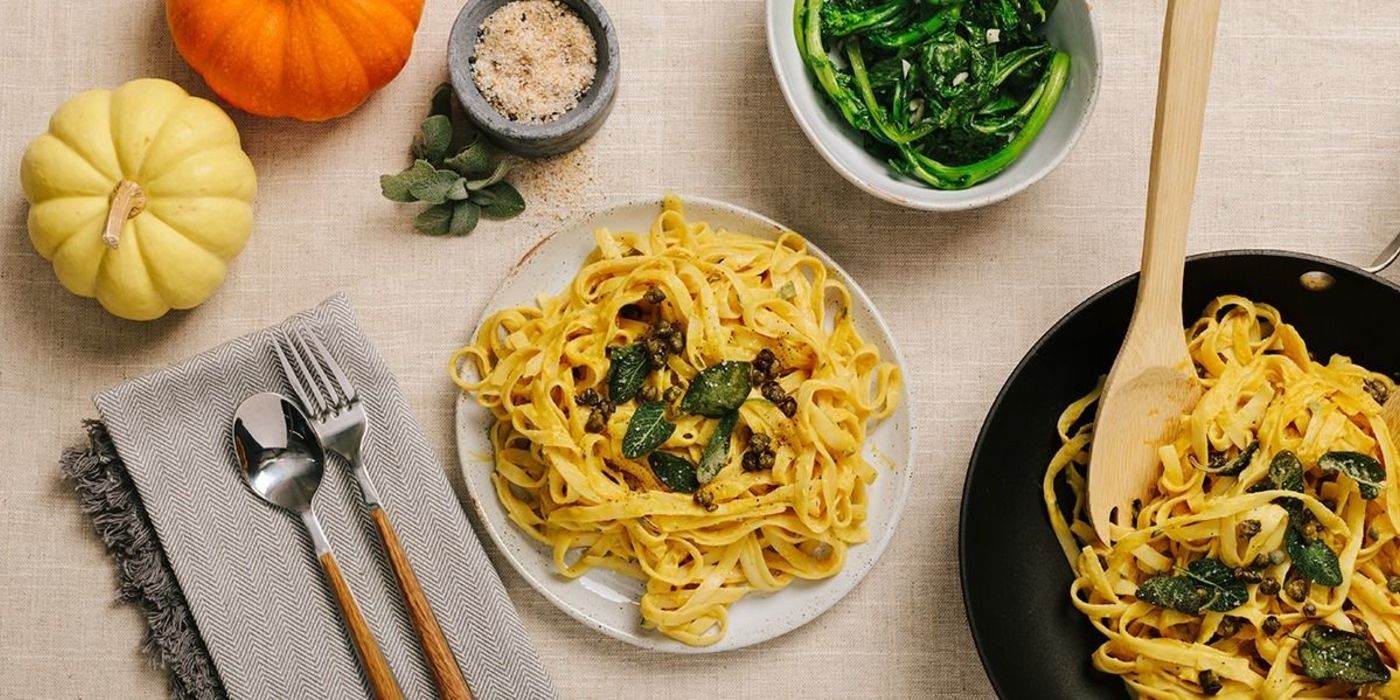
(110, 499)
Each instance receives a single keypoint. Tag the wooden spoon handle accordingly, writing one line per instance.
(450, 683)
(1188, 43)
(381, 678)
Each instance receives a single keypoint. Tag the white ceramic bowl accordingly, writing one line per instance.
(1072, 27)
(608, 602)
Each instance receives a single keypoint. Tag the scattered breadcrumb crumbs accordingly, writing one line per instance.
(534, 60)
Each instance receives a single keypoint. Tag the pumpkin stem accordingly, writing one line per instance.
(126, 201)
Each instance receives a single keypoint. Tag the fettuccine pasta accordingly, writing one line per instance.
(790, 495)
(1267, 401)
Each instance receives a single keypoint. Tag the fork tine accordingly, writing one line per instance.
(346, 388)
(337, 400)
(301, 381)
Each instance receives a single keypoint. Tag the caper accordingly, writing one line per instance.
(1392, 584)
(1276, 557)
(760, 442)
(1309, 609)
(764, 360)
(596, 422)
(1296, 588)
(1229, 627)
(647, 393)
(654, 295)
(1249, 575)
(588, 397)
(766, 459)
(1270, 626)
(773, 391)
(676, 341)
(1210, 683)
(706, 500)
(757, 377)
(751, 461)
(1376, 388)
(673, 393)
(1359, 625)
(1248, 528)
(788, 406)
(1269, 586)
(662, 328)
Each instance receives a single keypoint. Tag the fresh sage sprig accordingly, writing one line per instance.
(453, 171)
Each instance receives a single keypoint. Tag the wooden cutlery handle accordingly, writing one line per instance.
(1188, 44)
(381, 678)
(450, 683)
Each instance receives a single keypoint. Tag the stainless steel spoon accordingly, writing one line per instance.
(282, 461)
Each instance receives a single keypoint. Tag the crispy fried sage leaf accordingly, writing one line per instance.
(647, 430)
(1204, 584)
(626, 372)
(717, 449)
(1314, 560)
(677, 473)
(1329, 654)
(717, 390)
(1286, 472)
(1364, 469)
(1220, 466)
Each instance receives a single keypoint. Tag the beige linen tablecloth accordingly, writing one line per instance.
(1302, 151)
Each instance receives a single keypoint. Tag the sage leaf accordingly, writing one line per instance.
(472, 162)
(1286, 472)
(441, 103)
(718, 389)
(677, 473)
(464, 218)
(435, 220)
(1204, 584)
(1364, 469)
(1329, 654)
(626, 372)
(434, 188)
(1314, 560)
(496, 175)
(1220, 466)
(647, 430)
(458, 191)
(716, 452)
(507, 202)
(434, 139)
(396, 187)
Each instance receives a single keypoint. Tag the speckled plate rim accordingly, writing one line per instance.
(606, 601)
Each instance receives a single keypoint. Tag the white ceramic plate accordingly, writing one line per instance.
(1072, 27)
(607, 601)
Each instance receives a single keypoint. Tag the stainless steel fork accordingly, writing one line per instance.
(338, 416)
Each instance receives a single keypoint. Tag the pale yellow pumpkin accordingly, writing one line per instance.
(140, 197)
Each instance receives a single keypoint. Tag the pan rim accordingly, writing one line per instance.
(1055, 328)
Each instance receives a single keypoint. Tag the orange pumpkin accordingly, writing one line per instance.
(308, 59)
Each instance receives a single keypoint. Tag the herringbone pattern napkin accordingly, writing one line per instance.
(247, 570)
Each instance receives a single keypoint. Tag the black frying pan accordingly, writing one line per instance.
(1015, 581)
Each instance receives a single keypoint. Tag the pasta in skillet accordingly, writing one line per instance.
(687, 413)
(1265, 562)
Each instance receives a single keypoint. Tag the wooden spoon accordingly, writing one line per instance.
(1153, 383)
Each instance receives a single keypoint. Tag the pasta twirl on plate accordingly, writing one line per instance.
(1264, 563)
(789, 495)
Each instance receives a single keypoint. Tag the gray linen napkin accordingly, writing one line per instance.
(246, 571)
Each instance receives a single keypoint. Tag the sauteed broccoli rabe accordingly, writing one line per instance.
(947, 91)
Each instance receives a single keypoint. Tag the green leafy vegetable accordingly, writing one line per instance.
(1329, 654)
(626, 372)
(434, 138)
(677, 473)
(949, 92)
(1313, 559)
(647, 430)
(717, 449)
(788, 291)
(1364, 469)
(1220, 466)
(1205, 584)
(718, 389)
(463, 186)
(1286, 472)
